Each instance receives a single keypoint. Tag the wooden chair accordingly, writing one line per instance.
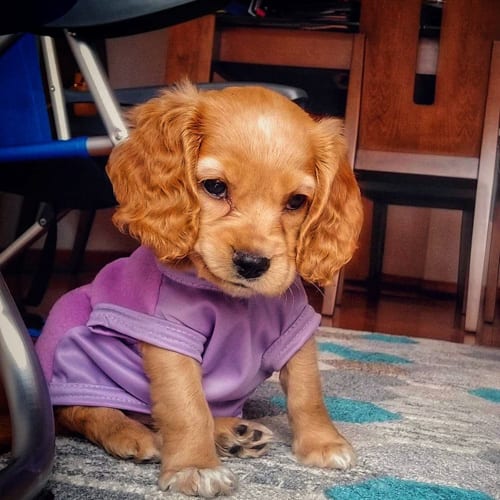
(448, 147)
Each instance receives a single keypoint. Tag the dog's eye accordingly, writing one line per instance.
(215, 188)
(296, 201)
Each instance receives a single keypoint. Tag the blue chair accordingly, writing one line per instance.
(35, 165)
(62, 173)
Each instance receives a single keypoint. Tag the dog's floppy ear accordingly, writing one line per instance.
(152, 173)
(330, 232)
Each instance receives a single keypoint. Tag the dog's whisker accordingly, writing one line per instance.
(318, 289)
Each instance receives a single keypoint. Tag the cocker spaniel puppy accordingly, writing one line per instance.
(235, 196)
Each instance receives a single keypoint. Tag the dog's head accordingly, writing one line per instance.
(242, 184)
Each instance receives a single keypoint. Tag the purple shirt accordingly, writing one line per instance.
(89, 345)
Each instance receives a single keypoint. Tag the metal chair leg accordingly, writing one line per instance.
(33, 441)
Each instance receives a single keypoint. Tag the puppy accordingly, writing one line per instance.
(235, 196)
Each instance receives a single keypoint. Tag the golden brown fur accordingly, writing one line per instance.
(161, 202)
(205, 177)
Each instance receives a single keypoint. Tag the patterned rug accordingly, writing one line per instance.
(423, 415)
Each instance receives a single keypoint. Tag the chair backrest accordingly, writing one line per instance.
(26, 131)
(22, 99)
(452, 125)
(38, 158)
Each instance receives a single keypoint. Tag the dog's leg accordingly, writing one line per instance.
(316, 441)
(119, 435)
(235, 437)
(190, 464)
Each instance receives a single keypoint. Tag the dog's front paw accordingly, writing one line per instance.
(138, 444)
(332, 453)
(241, 438)
(205, 483)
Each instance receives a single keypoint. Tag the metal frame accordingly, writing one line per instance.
(33, 446)
(96, 78)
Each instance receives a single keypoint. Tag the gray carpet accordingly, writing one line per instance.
(423, 415)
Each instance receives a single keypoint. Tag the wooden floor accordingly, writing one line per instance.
(405, 312)
(401, 312)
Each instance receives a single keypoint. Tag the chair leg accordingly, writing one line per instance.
(329, 297)
(32, 234)
(479, 255)
(377, 245)
(33, 442)
(340, 287)
(490, 299)
(85, 224)
(41, 276)
(485, 197)
(464, 258)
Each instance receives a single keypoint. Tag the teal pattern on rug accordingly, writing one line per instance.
(488, 393)
(364, 356)
(391, 488)
(391, 339)
(349, 410)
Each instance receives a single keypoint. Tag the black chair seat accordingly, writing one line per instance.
(100, 18)
(75, 183)
(417, 190)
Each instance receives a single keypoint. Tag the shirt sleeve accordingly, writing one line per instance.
(302, 325)
(109, 319)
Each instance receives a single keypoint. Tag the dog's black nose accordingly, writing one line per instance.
(250, 266)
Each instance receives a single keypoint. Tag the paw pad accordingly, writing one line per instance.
(246, 440)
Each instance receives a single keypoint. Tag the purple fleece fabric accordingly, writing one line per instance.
(89, 345)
